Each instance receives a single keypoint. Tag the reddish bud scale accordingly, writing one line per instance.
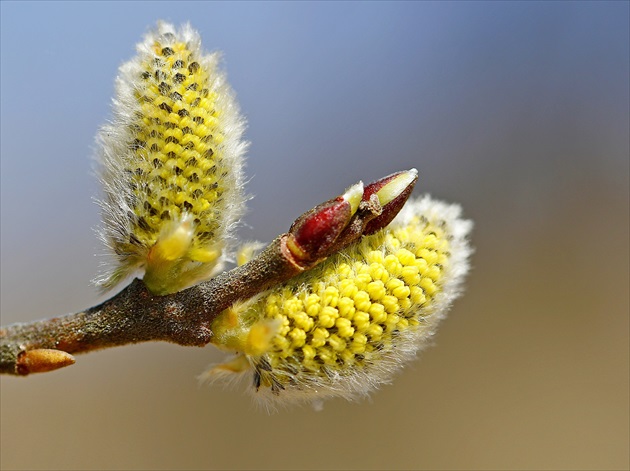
(316, 230)
(390, 209)
(373, 187)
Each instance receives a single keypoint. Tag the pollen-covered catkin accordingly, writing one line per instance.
(344, 327)
(171, 164)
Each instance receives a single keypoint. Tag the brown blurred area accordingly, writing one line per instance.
(529, 371)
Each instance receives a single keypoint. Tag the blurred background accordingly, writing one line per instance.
(518, 111)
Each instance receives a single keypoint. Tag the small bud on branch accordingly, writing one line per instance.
(42, 360)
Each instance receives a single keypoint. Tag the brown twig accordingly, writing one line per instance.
(135, 315)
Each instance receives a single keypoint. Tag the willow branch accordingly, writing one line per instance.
(135, 315)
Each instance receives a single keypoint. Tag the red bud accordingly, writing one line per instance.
(393, 192)
(313, 232)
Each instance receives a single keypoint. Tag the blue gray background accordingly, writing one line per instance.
(517, 110)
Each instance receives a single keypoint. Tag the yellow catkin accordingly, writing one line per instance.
(347, 324)
(172, 163)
